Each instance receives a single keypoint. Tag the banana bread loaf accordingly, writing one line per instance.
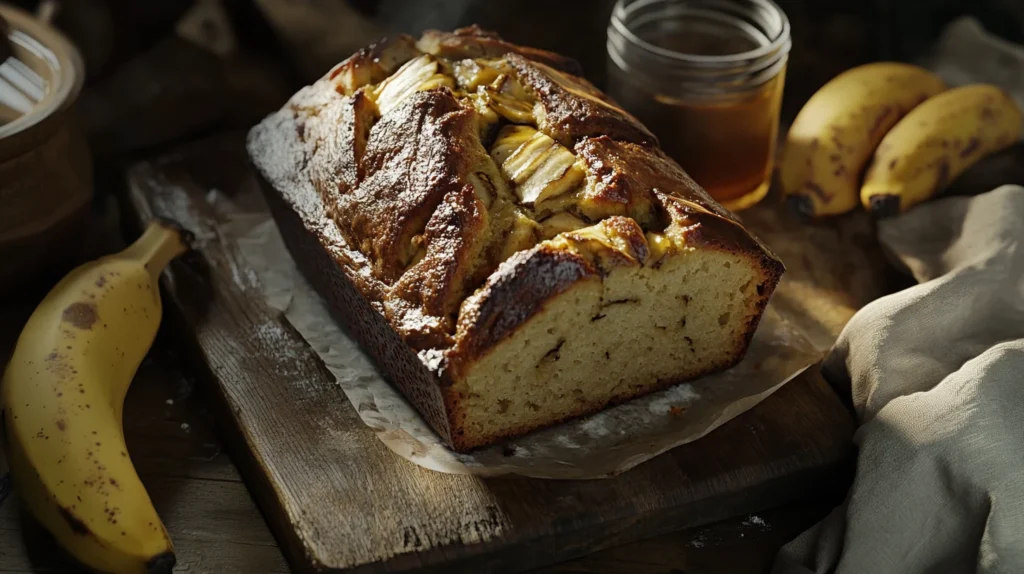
(511, 246)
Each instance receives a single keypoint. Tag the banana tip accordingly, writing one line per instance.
(161, 563)
(884, 205)
(187, 237)
(801, 205)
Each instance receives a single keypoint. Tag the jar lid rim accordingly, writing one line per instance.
(65, 65)
(780, 43)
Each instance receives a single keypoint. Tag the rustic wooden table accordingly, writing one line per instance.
(171, 432)
(217, 528)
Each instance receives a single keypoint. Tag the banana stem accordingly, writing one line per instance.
(162, 241)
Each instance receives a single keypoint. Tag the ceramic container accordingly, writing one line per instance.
(45, 167)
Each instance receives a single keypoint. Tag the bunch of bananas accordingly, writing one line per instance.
(889, 136)
(62, 395)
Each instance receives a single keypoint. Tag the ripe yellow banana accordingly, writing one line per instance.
(834, 135)
(62, 395)
(935, 143)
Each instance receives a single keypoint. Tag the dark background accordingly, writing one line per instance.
(822, 29)
(147, 88)
(848, 30)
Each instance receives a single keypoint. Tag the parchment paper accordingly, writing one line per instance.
(598, 446)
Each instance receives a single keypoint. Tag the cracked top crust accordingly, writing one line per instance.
(471, 179)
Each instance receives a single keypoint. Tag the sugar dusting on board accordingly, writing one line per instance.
(602, 445)
(273, 336)
(244, 277)
(755, 520)
(181, 205)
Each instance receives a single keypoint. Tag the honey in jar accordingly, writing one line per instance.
(707, 77)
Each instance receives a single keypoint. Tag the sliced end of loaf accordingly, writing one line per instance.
(606, 340)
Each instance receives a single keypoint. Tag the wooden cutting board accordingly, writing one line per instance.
(340, 501)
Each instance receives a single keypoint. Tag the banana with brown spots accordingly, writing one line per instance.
(62, 396)
(834, 135)
(935, 143)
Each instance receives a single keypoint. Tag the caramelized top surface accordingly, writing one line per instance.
(441, 159)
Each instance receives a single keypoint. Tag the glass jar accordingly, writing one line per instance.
(706, 77)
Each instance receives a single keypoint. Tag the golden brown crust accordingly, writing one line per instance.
(454, 238)
(342, 128)
(409, 167)
(372, 64)
(615, 242)
(709, 230)
(570, 108)
(646, 185)
(338, 273)
(413, 214)
(623, 177)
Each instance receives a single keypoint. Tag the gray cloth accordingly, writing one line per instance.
(937, 379)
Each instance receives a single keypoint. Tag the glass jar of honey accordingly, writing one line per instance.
(706, 77)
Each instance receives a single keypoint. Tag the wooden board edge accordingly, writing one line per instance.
(136, 212)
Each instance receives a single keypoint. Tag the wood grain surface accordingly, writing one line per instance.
(833, 267)
(217, 527)
(338, 500)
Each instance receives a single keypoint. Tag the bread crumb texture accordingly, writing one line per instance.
(604, 341)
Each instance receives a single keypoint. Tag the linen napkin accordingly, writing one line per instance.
(937, 379)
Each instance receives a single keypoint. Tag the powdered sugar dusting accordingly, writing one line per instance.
(274, 335)
(412, 319)
(432, 359)
(566, 441)
(244, 277)
(677, 397)
(595, 427)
